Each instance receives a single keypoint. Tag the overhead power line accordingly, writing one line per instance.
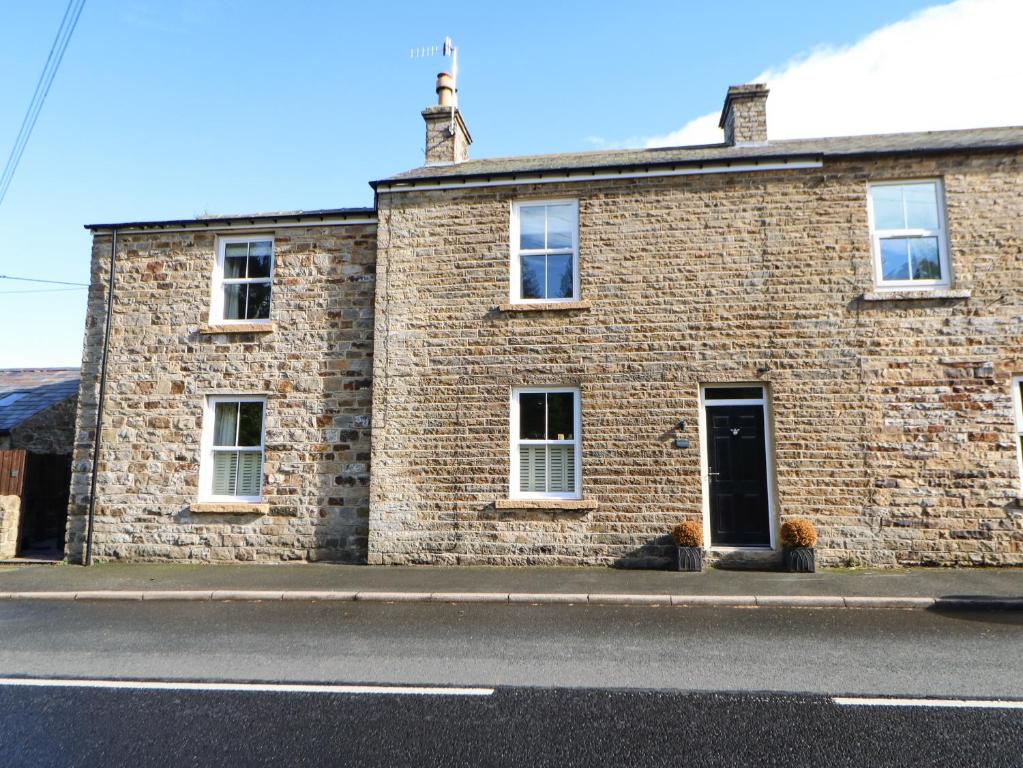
(46, 290)
(41, 280)
(67, 28)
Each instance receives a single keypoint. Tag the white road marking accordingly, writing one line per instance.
(170, 685)
(880, 701)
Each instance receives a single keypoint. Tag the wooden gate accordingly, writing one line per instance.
(12, 472)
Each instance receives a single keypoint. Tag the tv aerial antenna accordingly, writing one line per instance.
(448, 49)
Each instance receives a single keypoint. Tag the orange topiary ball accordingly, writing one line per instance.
(688, 534)
(798, 532)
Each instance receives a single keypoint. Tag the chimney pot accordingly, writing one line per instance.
(445, 90)
(744, 115)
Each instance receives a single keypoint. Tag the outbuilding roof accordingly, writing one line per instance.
(24, 392)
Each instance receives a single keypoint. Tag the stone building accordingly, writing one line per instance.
(553, 359)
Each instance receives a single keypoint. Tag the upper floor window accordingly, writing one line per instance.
(545, 459)
(243, 279)
(907, 223)
(545, 251)
(232, 461)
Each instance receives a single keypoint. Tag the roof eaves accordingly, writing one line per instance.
(528, 174)
(219, 222)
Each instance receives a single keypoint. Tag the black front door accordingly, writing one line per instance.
(737, 466)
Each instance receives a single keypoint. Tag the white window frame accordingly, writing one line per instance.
(1017, 409)
(516, 441)
(876, 235)
(208, 449)
(515, 271)
(217, 299)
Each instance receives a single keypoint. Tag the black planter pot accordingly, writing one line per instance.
(800, 559)
(688, 559)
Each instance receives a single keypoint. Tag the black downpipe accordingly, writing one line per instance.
(99, 406)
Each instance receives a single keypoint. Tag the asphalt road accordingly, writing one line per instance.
(825, 651)
(524, 726)
(576, 685)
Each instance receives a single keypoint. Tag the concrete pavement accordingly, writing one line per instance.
(835, 588)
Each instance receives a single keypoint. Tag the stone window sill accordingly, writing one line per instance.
(918, 295)
(230, 508)
(567, 504)
(553, 306)
(211, 328)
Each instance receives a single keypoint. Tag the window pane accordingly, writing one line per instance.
(225, 473)
(533, 468)
(560, 416)
(234, 266)
(559, 277)
(895, 258)
(561, 468)
(921, 206)
(733, 393)
(225, 421)
(923, 252)
(531, 415)
(533, 277)
(531, 226)
(259, 266)
(260, 248)
(560, 223)
(250, 473)
(888, 213)
(240, 250)
(258, 305)
(234, 302)
(250, 427)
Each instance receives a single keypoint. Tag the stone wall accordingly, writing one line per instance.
(50, 431)
(10, 517)
(892, 420)
(314, 368)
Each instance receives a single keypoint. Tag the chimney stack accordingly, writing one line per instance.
(744, 116)
(447, 138)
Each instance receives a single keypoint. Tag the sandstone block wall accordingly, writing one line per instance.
(315, 370)
(49, 431)
(10, 517)
(892, 421)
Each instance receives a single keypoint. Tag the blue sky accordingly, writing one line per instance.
(174, 109)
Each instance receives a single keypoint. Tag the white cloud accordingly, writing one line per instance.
(950, 66)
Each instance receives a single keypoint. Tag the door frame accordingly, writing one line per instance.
(765, 403)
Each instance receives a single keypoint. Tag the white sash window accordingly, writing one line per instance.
(545, 455)
(545, 252)
(243, 280)
(232, 462)
(907, 228)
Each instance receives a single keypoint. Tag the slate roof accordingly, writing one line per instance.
(42, 387)
(978, 139)
(267, 217)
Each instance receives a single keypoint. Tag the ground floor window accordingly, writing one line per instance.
(545, 458)
(232, 462)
